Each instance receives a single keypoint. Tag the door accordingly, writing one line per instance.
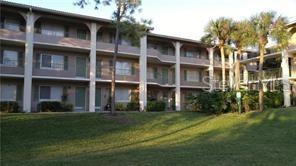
(80, 66)
(80, 99)
(165, 78)
(98, 100)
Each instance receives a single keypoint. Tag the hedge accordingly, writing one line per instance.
(54, 106)
(156, 106)
(9, 107)
(221, 102)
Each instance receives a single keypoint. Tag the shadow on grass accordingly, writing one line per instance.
(253, 139)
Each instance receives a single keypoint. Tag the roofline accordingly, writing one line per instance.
(52, 11)
(178, 39)
(62, 13)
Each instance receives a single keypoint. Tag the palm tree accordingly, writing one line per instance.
(240, 36)
(219, 31)
(267, 26)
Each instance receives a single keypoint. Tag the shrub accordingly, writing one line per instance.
(222, 102)
(9, 107)
(274, 99)
(250, 100)
(293, 100)
(133, 106)
(54, 106)
(156, 106)
(120, 107)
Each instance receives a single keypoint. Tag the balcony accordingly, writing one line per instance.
(58, 70)
(6, 34)
(123, 49)
(154, 53)
(104, 74)
(61, 41)
(218, 63)
(267, 74)
(11, 67)
(195, 61)
(161, 81)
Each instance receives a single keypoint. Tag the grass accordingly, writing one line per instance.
(183, 138)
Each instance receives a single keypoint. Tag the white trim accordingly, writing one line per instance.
(12, 75)
(61, 78)
(59, 45)
(195, 87)
(162, 85)
(111, 51)
(117, 81)
(155, 56)
(14, 40)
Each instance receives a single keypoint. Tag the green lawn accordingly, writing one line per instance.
(184, 138)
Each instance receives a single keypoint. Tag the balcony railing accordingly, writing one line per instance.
(267, 74)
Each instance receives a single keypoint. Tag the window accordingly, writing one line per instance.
(164, 50)
(55, 62)
(122, 95)
(193, 75)
(9, 58)
(98, 68)
(123, 68)
(12, 24)
(52, 30)
(52, 93)
(8, 92)
(150, 73)
(190, 54)
(82, 34)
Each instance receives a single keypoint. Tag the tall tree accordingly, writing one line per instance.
(219, 31)
(125, 24)
(241, 37)
(267, 26)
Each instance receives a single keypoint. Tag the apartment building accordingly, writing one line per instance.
(279, 69)
(48, 55)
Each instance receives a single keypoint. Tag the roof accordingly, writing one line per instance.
(90, 18)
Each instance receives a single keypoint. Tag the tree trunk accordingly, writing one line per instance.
(114, 68)
(261, 94)
(237, 70)
(223, 67)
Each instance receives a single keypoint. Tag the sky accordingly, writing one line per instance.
(180, 18)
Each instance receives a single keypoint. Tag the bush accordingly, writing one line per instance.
(221, 102)
(156, 106)
(54, 106)
(9, 107)
(133, 106)
(120, 107)
(273, 99)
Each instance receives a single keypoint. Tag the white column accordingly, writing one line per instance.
(245, 74)
(177, 76)
(231, 71)
(143, 73)
(92, 75)
(285, 78)
(28, 66)
(211, 68)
